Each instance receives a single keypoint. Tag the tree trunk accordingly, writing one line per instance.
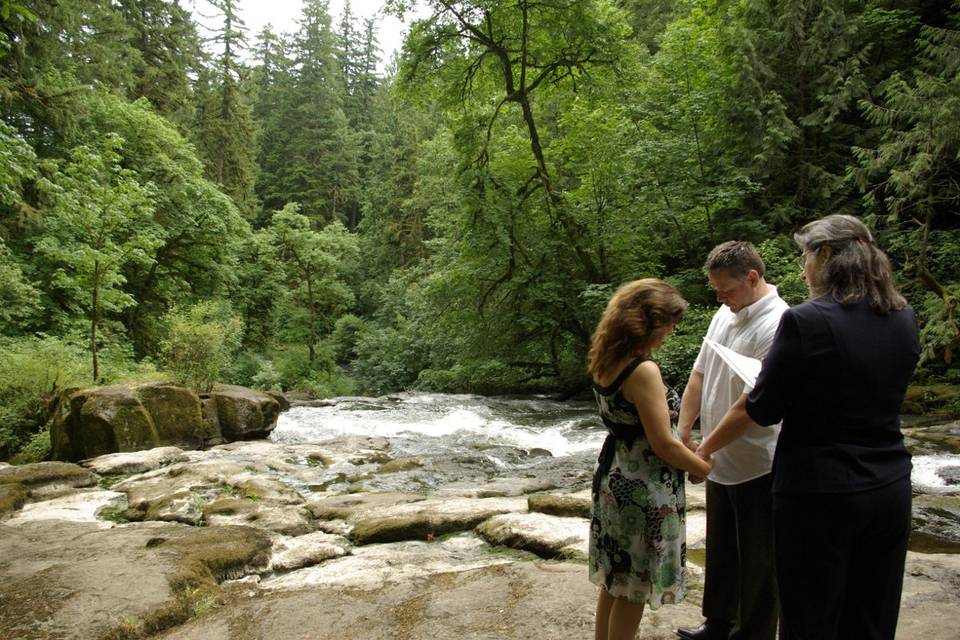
(95, 320)
(312, 314)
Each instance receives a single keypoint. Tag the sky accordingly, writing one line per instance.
(283, 16)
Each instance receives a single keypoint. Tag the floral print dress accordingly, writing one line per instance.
(638, 526)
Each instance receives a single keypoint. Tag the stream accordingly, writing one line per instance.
(490, 439)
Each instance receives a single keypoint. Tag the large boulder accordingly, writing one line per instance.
(99, 420)
(244, 414)
(132, 417)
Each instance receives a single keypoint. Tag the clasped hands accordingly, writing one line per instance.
(694, 446)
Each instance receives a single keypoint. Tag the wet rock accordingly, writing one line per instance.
(936, 523)
(306, 550)
(244, 414)
(75, 581)
(950, 475)
(212, 485)
(372, 567)
(389, 517)
(47, 479)
(135, 462)
(83, 506)
(400, 464)
(12, 497)
(503, 487)
(285, 519)
(562, 504)
(545, 535)
(428, 518)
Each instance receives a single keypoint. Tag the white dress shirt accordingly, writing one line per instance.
(749, 332)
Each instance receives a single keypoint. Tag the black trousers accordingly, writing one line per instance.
(740, 583)
(840, 562)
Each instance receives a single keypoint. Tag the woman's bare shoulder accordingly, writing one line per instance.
(645, 378)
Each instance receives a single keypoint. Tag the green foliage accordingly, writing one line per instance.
(780, 257)
(201, 340)
(389, 358)
(37, 449)
(476, 376)
(97, 222)
(910, 182)
(313, 263)
(320, 377)
(346, 335)
(32, 371)
(679, 352)
(521, 162)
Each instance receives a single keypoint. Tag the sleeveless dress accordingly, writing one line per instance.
(638, 524)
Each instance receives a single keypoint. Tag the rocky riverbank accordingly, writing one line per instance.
(347, 538)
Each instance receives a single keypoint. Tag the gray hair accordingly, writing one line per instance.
(857, 268)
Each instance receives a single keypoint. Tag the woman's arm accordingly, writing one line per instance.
(734, 424)
(644, 388)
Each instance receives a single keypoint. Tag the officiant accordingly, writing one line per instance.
(836, 375)
(740, 595)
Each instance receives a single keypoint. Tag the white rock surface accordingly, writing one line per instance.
(82, 506)
(135, 461)
(546, 535)
(306, 550)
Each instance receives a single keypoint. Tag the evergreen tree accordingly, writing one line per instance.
(321, 170)
(224, 133)
(170, 51)
(911, 181)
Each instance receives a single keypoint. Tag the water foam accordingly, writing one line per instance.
(925, 477)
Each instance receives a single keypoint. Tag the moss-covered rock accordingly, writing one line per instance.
(47, 479)
(559, 504)
(400, 464)
(101, 420)
(120, 418)
(245, 414)
(12, 497)
(939, 399)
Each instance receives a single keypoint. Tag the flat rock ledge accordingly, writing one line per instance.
(545, 535)
(263, 540)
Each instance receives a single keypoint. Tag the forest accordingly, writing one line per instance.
(268, 209)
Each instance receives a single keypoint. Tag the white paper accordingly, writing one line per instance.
(745, 367)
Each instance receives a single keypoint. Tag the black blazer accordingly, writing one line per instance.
(836, 376)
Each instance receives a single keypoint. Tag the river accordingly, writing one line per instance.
(492, 438)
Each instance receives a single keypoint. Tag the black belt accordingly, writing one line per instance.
(617, 433)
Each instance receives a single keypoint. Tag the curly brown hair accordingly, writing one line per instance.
(635, 315)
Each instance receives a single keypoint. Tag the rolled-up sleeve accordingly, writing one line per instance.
(768, 399)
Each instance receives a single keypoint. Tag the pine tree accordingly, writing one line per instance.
(224, 130)
(170, 51)
(316, 165)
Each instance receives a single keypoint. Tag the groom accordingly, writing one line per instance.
(740, 592)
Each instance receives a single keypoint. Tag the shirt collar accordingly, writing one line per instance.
(758, 307)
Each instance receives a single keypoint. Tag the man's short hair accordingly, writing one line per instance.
(736, 257)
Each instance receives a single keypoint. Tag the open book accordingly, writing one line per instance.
(747, 368)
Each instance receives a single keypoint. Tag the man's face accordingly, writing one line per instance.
(734, 292)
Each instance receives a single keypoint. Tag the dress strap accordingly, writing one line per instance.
(618, 382)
